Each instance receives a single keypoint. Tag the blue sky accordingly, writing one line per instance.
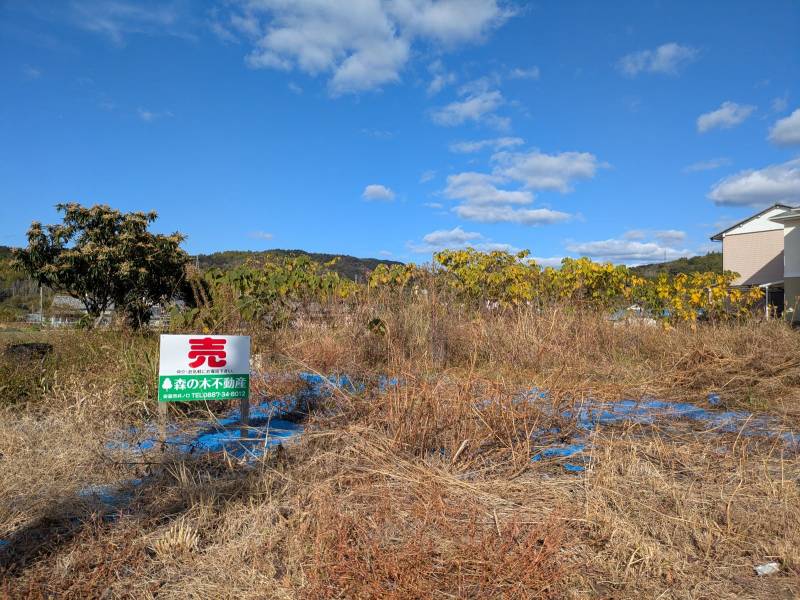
(626, 131)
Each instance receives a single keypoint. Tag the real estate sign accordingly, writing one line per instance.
(204, 367)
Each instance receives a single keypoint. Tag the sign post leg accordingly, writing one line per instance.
(244, 411)
(162, 423)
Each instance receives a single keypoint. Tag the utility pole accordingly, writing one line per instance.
(41, 306)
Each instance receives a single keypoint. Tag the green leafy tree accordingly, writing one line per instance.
(105, 257)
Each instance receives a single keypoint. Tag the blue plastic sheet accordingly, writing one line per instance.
(591, 414)
(266, 429)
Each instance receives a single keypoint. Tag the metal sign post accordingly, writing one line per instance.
(204, 367)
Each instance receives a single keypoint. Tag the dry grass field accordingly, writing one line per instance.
(426, 489)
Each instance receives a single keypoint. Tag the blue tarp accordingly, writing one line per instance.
(269, 427)
(591, 414)
(266, 427)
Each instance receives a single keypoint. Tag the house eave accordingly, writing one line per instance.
(786, 218)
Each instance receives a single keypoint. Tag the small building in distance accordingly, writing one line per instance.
(65, 311)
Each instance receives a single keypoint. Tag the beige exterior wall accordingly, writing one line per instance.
(757, 256)
(791, 266)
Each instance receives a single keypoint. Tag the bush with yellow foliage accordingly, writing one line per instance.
(513, 279)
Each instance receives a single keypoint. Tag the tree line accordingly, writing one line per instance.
(108, 259)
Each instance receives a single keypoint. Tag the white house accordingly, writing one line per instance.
(764, 249)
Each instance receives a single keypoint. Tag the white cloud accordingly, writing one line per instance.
(476, 107)
(378, 134)
(481, 189)
(496, 247)
(539, 171)
(786, 131)
(634, 234)
(498, 122)
(482, 200)
(122, 17)
(219, 29)
(670, 237)
(357, 45)
(507, 214)
(31, 72)
(480, 85)
(486, 197)
(261, 235)
(456, 236)
(707, 165)
(549, 261)
(448, 21)
(148, 116)
(369, 69)
(760, 187)
(530, 73)
(441, 78)
(667, 58)
(427, 176)
(780, 103)
(294, 88)
(378, 192)
(360, 44)
(444, 239)
(626, 251)
(478, 145)
(248, 24)
(385, 253)
(439, 82)
(666, 237)
(726, 116)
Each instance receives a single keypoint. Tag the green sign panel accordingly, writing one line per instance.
(182, 388)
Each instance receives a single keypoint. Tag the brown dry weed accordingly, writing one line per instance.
(426, 490)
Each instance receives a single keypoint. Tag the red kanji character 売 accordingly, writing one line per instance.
(202, 348)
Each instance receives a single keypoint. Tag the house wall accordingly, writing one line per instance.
(791, 268)
(791, 245)
(757, 257)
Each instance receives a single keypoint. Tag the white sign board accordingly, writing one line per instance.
(204, 367)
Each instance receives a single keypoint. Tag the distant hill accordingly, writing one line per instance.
(19, 294)
(710, 262)
(347, 266)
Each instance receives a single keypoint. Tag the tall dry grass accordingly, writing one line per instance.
(426, 490)
(577, 353)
